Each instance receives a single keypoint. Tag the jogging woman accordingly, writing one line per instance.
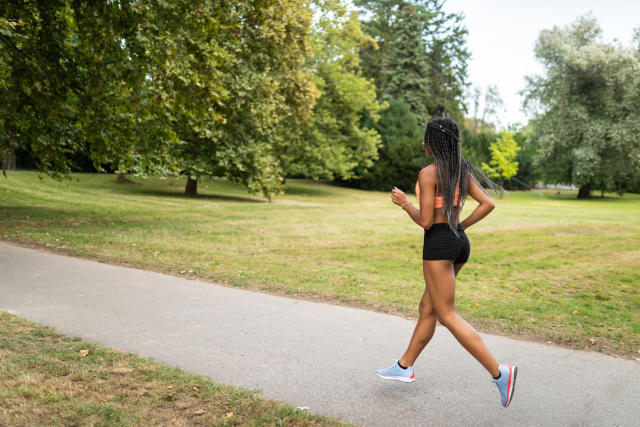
(441, 190)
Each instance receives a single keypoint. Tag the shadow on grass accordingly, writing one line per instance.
(571, 195)
(37, 218)
(145, 191)
(307, 187)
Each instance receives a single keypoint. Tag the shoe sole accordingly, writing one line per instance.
(403, 379)
(512, 384)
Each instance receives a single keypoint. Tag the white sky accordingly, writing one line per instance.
(502, 36)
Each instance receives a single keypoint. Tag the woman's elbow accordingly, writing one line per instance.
(426, 224)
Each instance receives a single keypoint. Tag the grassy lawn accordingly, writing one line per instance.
(543, 265)
(49, 378)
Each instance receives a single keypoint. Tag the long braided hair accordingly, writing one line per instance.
(452, 169)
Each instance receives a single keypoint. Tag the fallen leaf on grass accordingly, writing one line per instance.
(575, 312)
(229, 414)
(199, 412)
(84, 352)
(534, 320)
(303, 408)
(592, 341)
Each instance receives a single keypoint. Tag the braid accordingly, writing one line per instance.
(452, 169)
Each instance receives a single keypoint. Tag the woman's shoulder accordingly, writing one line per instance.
(427, 174)
(428, 170)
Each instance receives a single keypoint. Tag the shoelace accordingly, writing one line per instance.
(391, 367)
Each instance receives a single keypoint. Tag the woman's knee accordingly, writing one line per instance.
(426, 308)
(446, 317)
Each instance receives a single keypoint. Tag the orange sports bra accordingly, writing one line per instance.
(439, 199)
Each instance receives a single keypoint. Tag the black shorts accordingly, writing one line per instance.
(441, 243)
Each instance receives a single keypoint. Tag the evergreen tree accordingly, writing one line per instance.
(407, 74)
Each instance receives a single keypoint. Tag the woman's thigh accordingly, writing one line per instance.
(426, 298)
(440, 278)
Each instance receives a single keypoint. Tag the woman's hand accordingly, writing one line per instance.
(398, 197)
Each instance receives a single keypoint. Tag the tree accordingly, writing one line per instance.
(419, 68)
(587, 125)
(402, 156)
(72, 80)
(485, 114)
(475, 145)
(35, 85)
(503, 164)
(406, 73)
(422, 55)
(272, 91)
(333, 143)
(196, 86)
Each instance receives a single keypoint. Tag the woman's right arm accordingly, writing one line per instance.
(485, 206)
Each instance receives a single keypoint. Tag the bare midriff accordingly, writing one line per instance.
(438, 216)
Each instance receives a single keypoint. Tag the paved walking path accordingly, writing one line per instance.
(312, 354)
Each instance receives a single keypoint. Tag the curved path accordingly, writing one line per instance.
(312, 354)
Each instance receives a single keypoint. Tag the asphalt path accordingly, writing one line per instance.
(311, 354)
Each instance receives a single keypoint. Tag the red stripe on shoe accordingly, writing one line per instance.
(509, 386)
(413, 375)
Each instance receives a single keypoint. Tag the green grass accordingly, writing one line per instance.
(47, 378)
(535, 260)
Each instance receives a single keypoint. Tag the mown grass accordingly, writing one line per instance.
(543, 265)
(47, 378)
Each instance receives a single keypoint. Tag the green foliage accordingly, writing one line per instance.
(406, 70)
(587, 127)
(333, 143)
(503, 162)
(198, 86)
(402, 157)
(271, 91)
(74, 80)
(475, 145)
(36, 91)
(422, 55)
(418, 65)
(527, 175)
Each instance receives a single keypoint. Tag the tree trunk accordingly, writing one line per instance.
(121, 178)
(192, 187)
(9, 160)
(602, 193)
(283, 165)
(584, 192)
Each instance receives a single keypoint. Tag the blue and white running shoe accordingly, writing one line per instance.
(395, 372)
(506, 383)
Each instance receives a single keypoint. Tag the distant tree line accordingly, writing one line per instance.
(258, 91)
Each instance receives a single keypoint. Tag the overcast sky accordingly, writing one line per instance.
(502, 36)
